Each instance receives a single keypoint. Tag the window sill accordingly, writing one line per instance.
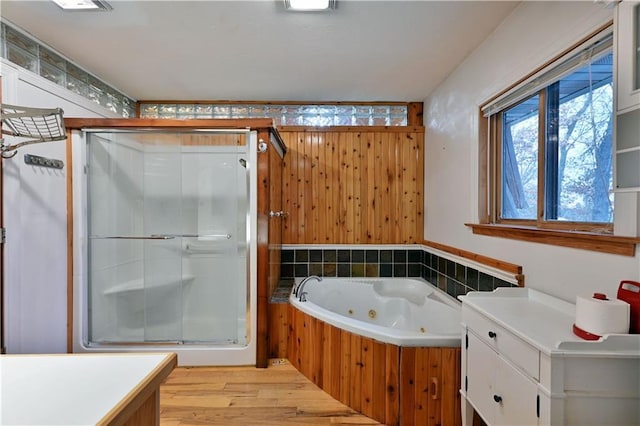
(625, 246)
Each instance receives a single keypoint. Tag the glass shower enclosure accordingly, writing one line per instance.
(167, 238)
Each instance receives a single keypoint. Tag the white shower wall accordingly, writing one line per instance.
(35, 216)
(115, 213)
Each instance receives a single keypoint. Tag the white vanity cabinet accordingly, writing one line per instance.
(627, 84)
(522, 364)
(627, 53)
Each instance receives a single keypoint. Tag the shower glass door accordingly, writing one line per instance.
(167, 248)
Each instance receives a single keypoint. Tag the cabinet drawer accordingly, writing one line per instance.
(500, 393)
(521, 354)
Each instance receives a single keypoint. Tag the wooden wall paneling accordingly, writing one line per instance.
(292, 353)
(415, 113)
(366, 234)
(419, 138)
(369, 200)
(298, 177)
(299, 327)
(360, 189)
(276, 164)
(348, 220)
(421, 387)
(356, 372)
(308, 211)
(278, 330)
(338, 183)
(407, 385)
(355, 224)
(410, 187)
(400, 187)
(345, 376)
(336, 362)
(331, 360)
(450, 384)
(394, 183)
(304, 350)
(317, 356)
(320, 188)
(353, 185)
(292, 338)
(373, 202)
(404, 176)
(262, 343)
(367, 390)
(277, 168)
(383, 214)
(392, 386)
(379, 381)
(299, 188)
(311, 175)
(298, 231)
(327, 189)
(434, 385)
(288, 187)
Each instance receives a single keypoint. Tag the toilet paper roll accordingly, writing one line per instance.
(601, 317)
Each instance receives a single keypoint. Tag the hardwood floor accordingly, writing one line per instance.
(277, 395)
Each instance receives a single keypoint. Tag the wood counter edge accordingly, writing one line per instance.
(140, 394)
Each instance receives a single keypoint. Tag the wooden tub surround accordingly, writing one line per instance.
(390, 384)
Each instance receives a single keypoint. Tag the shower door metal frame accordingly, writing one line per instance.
(260, 128)
(250, 147)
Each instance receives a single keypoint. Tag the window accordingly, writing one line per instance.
(286, 114)
(551, 145)
(28, 53)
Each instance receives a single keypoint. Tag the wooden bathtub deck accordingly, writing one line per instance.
(278, 395)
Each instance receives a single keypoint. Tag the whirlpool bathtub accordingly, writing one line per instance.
(399, 311)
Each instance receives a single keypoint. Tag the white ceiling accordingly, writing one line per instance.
(255, 50)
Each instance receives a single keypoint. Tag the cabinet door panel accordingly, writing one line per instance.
(481, 365)
(518, 396)
(627, 55)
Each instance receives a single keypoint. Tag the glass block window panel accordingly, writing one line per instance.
(52, 73)
(22, 58)
(28, 53)
(149, 110)
(52, 59)
(21, 41)
(313, 115)
(239, 111)
(202, 111)
(219, 111)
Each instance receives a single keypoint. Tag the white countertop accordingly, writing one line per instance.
(545, 322)
(79, 389)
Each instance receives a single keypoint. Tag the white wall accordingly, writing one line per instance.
(533, 34)
(35, 215)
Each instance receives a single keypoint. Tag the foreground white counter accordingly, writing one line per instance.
(82, 389)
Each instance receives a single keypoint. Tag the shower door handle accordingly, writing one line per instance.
(132, 237)
(158, 236)
(277, 214)
(225, 236)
